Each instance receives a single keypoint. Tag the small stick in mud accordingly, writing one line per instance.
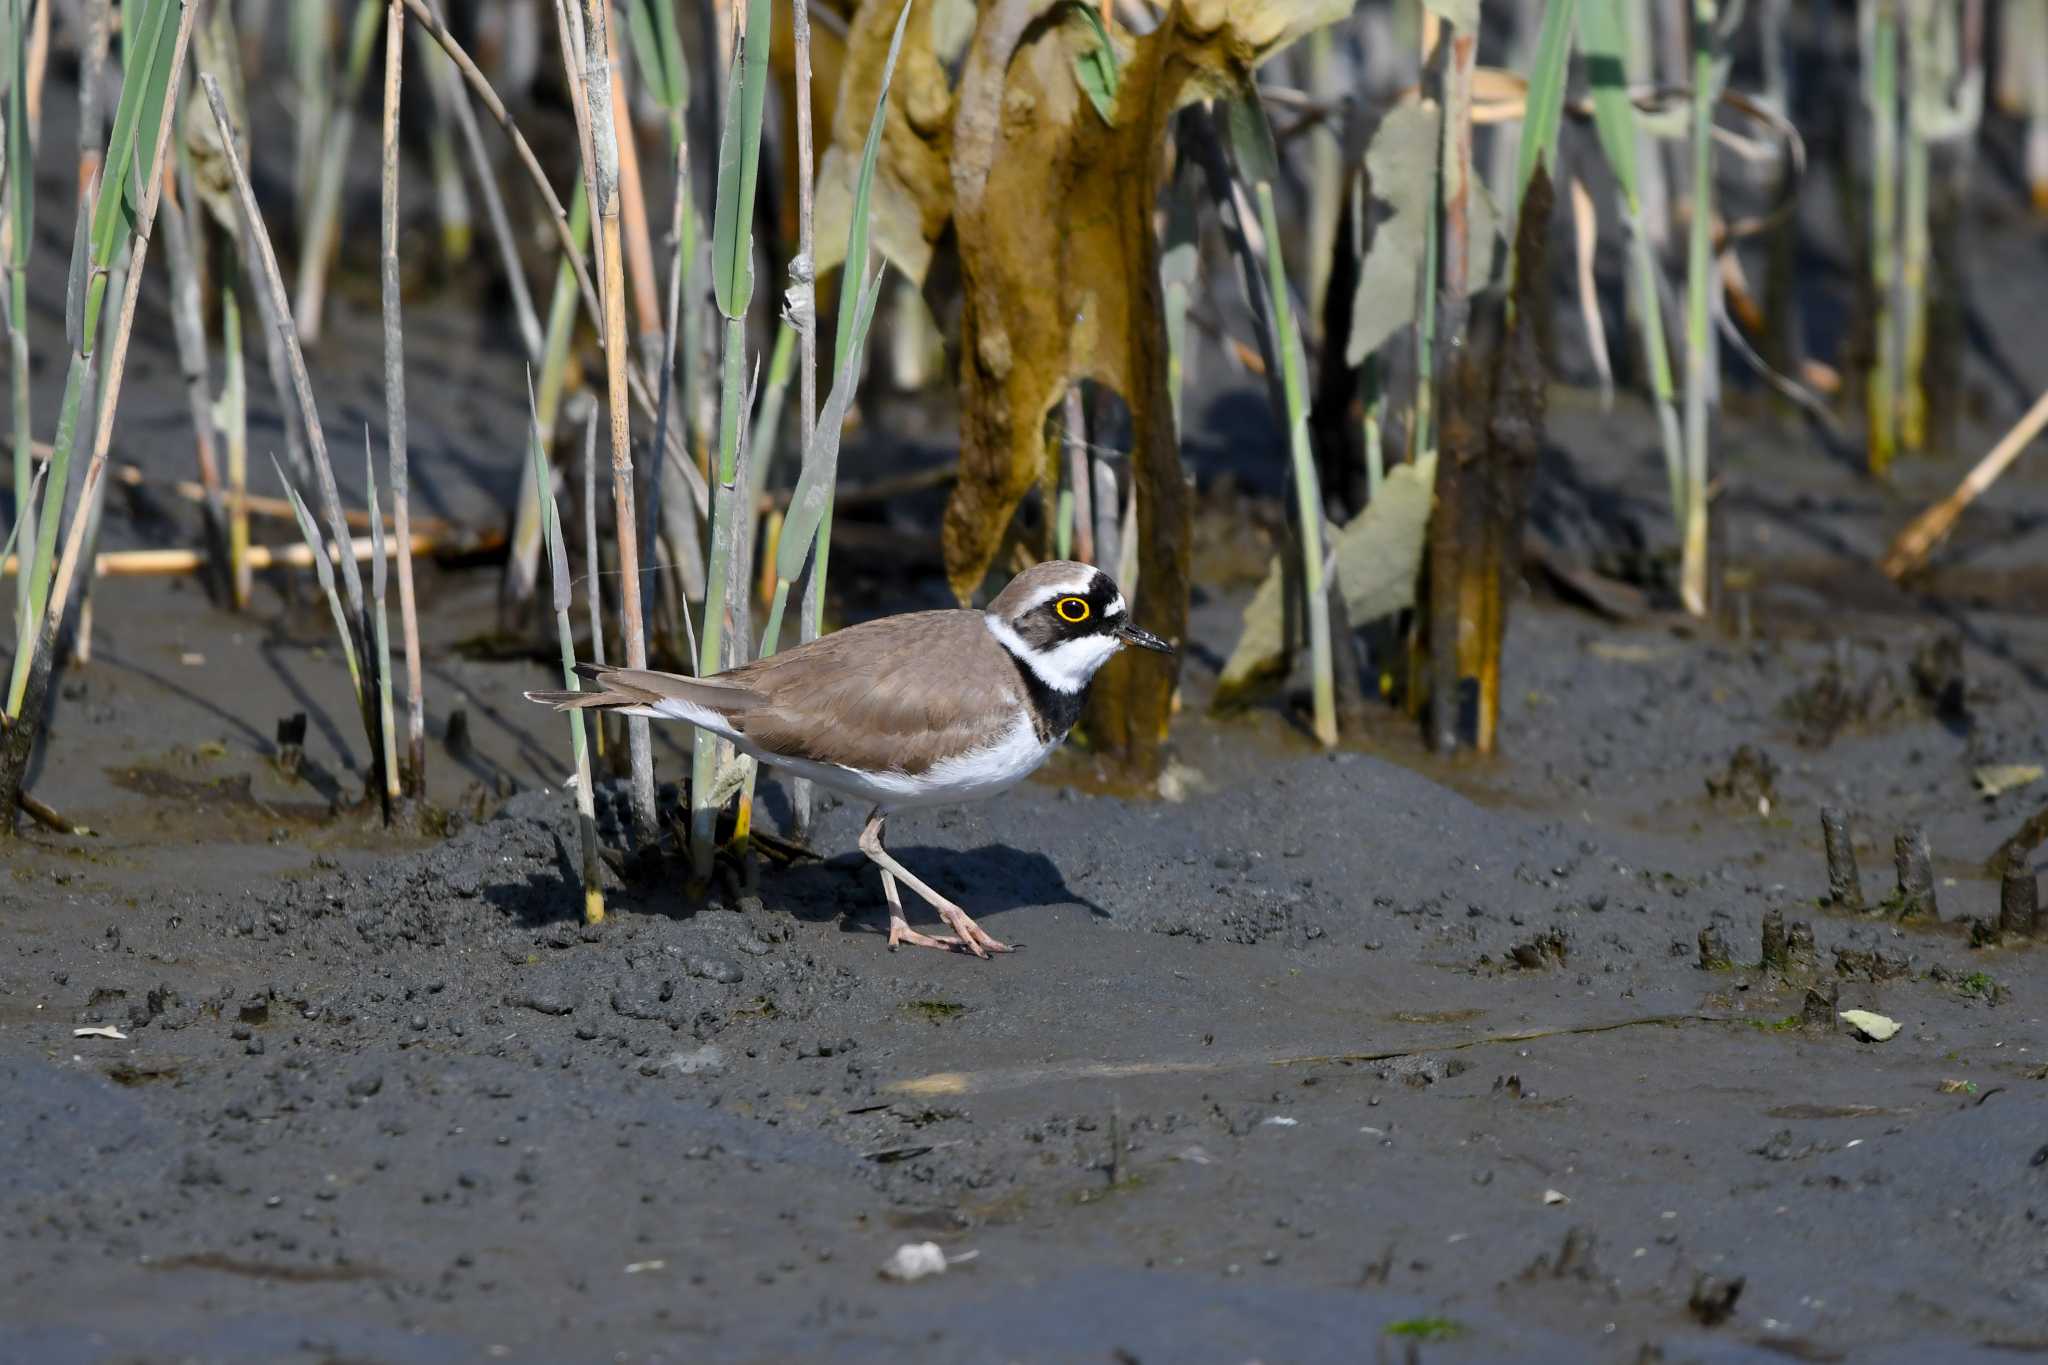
(2019, 900)
(1914, 858)
(1774, 958)
(291, 743)
(1714, 951)
(1819, 1010)
(1845, 883)
(1802, 952)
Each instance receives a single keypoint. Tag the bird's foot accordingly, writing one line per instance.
(973, 935)
(901, 933)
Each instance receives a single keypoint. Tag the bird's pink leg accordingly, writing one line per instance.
(972, 936)
(900, 931)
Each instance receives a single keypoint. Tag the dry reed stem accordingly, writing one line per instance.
(601, 173)
(295, 555)
(133, 476)
(394, 407)
(494, 211)
(558, 217)
(806, 273)
(1910, 550)
(633, 202)
(189, 327)
(258, 235)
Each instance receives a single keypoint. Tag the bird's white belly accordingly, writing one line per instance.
(967, 777)
(970, 776)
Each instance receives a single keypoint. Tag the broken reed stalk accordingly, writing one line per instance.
(148, 102)
(2019, 893)
(601, 177)
(1455, 529)
(1909, 551)
(558, 569)
(395, 432)
(1845, 884)
(1916, 244)
(732, 275)
(1880, 92)
(1307, 490)
(1700, 343)
(20, 229)
(234, 402)
(1913, 858)
(321, 234)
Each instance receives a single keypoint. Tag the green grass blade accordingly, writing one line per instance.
(144, 79)
(323, 571)
(1603, 40)
(658, 48)
(858, 227)
(1096, 68)
(1544, 104)
(739, 165)
(813, 495)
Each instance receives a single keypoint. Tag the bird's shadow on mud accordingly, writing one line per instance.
(987, 881)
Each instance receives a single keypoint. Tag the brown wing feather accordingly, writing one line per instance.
(899, 693)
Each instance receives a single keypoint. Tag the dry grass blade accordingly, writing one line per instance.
(257, 237)
(395, 432)
(1909, 551)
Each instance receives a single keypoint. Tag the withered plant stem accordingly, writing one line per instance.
(806, 272)
(601, 173)
(394, 408)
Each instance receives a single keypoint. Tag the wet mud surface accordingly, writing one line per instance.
(1364, 1056)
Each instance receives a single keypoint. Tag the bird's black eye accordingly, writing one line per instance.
(1072, 610)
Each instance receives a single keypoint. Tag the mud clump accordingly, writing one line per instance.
(1747, 781)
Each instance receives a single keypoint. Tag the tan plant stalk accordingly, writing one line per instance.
(805, 273)
(601, 176)
(394, 412)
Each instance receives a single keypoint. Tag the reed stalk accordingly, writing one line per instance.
(92, 67)
(1079, 495)
(256, 244)
(386, 738)
(441, 70)
(451, 194)
(601, 183)
(1700, 344)
(1603, 41)
(234, 421)
(732, 274)
(593, 594)
(395, 433)
(320, 233)
(1880, 91)
(522, 565)
(308, 34)
(189, 327)
(124, 208)
(558, 568)
(1307, 490)
(20, 228)
(95, 250)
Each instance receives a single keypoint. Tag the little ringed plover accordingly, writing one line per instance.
(924, 709)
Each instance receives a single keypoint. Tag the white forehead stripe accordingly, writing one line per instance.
(1078, 585)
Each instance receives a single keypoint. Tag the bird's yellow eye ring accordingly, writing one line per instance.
(1072, 610)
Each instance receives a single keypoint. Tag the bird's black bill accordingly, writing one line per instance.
(1143, 639)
